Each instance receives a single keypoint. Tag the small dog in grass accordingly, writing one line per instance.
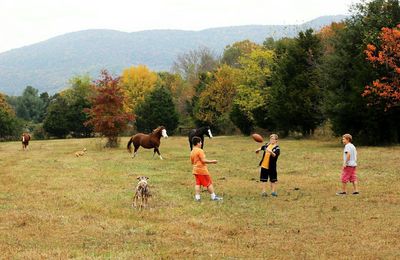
(80, 153)
(142, 192)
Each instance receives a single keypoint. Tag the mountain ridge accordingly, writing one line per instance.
(49, 64)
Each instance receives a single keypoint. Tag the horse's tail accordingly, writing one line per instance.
(129, 145)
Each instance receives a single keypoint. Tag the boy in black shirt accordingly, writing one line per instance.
(268, 164)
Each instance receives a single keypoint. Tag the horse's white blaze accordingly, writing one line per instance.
(164, 133)
(23, 138)
(209, 133)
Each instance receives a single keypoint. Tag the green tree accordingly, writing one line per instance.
(56, 123)
(46, 101)
(181, 93)
(254, 82)
(232, 53)
(30, 106)
(240, 120)
(345, 72)
(157, 109)
(65, 113)
(216, 100)
(192, 105)
(295, 102)
(10, 126)
(77, 97)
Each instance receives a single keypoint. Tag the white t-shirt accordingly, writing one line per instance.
(350, 149)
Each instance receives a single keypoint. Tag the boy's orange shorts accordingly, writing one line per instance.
(203, 180)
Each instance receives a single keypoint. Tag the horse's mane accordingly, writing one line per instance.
(158, 129)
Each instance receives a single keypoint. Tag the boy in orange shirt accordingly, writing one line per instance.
(200, 171)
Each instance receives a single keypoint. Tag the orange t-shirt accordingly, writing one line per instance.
(199, 167)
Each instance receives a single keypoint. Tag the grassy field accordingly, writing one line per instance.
(54, 205)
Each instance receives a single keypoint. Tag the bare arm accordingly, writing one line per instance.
(204, 160)
(347, 159)
(210, 161)
(259, 149)
(266, 149)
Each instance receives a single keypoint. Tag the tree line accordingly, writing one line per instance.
(346, 76)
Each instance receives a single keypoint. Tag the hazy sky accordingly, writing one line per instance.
(24, 22)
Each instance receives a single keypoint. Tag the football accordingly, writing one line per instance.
(258, 138)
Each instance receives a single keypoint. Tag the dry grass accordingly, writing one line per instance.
(55, 205)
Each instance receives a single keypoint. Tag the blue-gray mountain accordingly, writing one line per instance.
(48, 65)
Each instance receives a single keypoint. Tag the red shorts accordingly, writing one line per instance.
(203, 180)
(349, 174)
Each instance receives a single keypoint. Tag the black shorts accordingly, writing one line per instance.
(268, 173)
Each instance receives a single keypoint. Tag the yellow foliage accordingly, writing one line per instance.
(5, 106)
(256, 67)
(136, 82)
(217, 98)
(255, 74)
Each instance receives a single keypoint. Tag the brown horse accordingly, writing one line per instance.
(25, 141)
(147, 141)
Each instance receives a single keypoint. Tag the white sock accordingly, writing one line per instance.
(213, 196)
(197, 196)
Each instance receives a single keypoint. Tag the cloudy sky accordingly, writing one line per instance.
(24, 22)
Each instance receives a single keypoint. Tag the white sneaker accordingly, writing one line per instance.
(216, 198)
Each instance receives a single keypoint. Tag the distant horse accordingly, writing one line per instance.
(25, 141)
(147, 141)
(200, 132)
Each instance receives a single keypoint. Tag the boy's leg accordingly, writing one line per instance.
(263, 180)
(273, 178)
(264, 187)
(355, 186)
(344, 185)
(197, 189)
(346, 177)
(210, 189)
(273, 187)
(354, 180)
(197, 192)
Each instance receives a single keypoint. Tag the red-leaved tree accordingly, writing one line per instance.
(107, 115)
(387, 88)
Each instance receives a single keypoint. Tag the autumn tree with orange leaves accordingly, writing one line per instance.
(387, 56)
(107, 114)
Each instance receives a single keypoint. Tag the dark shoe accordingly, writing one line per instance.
(341, 193)
(356, 193)
(274, 194)
(264, 194)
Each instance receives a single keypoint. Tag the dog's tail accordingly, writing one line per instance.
(129, 145)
